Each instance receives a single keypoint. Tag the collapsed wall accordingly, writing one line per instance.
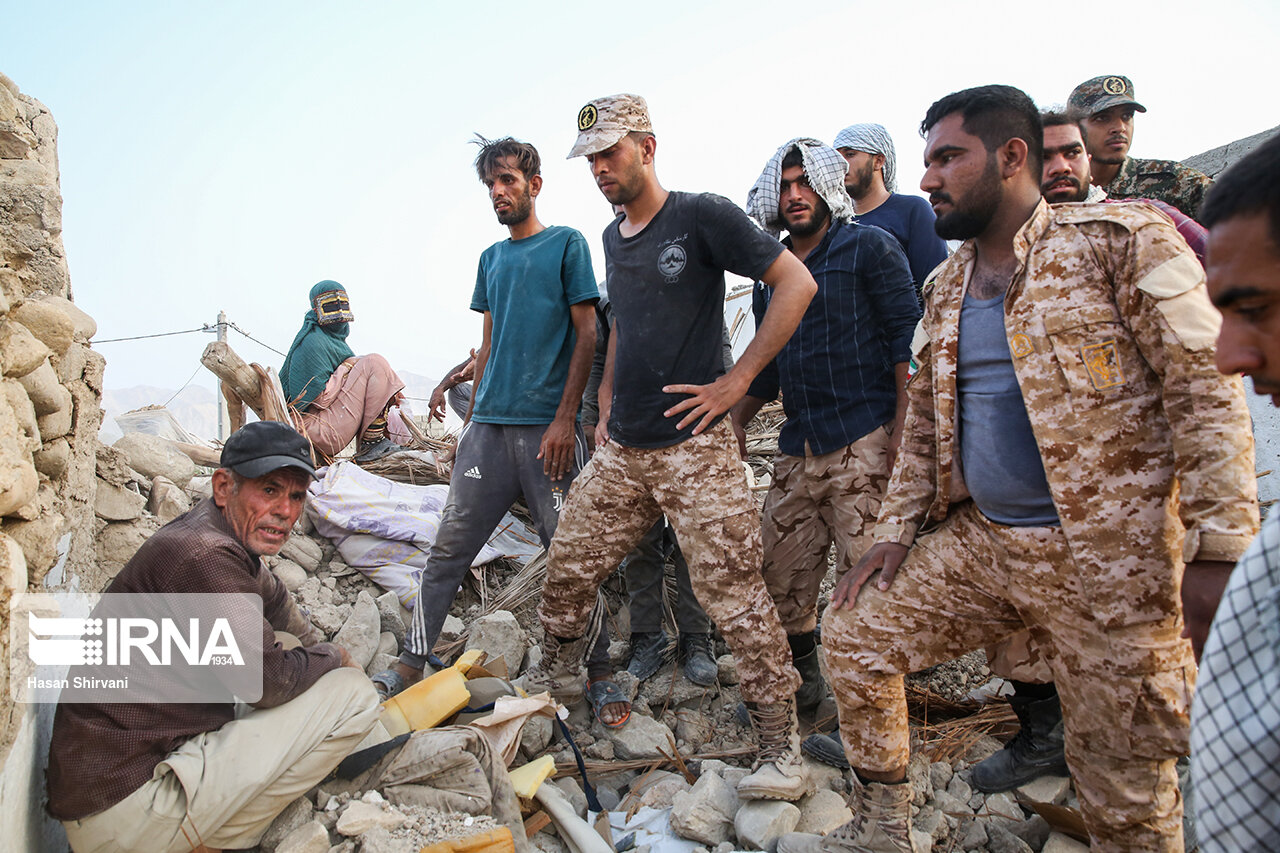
(49, 417)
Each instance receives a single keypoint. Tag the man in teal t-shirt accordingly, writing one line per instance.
(537, 293)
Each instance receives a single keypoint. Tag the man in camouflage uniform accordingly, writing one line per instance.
(1100, 353)
(1106, 105)
(1037, 749)
(666, 448)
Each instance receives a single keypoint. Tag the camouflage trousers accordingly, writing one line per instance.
(699, 484)
(1017, 658)
(814, 501)
(1125, 690)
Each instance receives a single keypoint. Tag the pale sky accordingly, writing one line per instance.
(229, 155)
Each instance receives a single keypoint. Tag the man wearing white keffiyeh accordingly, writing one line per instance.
(872, 183)
(825, 169)
(840, 376)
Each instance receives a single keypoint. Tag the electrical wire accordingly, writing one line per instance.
(143, 337)
(255, 340)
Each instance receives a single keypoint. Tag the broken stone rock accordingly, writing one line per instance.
(727, 670)
(1001, 840)
(453, 628)
(20, 352)
(52, 459)
(1003, 809)
(13, 566)
(1046, 789)
(389, 615)
(359, 636)
(760, 823)
(705, 812)
(57, 423)
(379, 663)
(309, 838)
(294, 816)
(46, 392)
(47, 322)
(536, 736)
(39, 542)
(824, 776)
(117, 503)
(387, 644)
(499, 635)
(360, 817)
(821, 812)
(153, 456)
(641, 737)
(1034, 830)
(661, 788)
(290, 574)
(304, 551)
(121, 540)
(1059, 843)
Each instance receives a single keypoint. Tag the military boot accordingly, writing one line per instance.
(778, 773)
(559, 672)
(699, 663)
(812, 687)
(1035, 751)
(881, 824)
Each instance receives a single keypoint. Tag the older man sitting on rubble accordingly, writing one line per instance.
(181, 777)
(340, 395)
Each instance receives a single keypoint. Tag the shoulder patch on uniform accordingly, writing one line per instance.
(1131, 215)
(1177, 275)
(1178, 286)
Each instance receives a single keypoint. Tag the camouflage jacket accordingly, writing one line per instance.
(1112, 338)
(1164, 180)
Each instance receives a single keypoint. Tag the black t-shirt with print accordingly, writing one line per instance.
(667, 289)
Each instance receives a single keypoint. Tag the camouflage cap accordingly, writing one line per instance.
(1099, 93)
(604, 121)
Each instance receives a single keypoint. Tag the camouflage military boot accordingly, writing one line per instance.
(559, 672)
(778, 773)
(881, 824)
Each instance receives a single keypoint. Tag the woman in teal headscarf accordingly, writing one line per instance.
(337, 393)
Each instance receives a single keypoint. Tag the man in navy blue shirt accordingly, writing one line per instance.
(872, 183)
(841, 376)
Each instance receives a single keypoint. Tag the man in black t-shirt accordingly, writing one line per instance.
(666, 447)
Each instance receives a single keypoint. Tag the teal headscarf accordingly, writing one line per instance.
(315, 353)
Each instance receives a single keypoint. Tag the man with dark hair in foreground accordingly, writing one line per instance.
(1235, 725)
(1066, 374)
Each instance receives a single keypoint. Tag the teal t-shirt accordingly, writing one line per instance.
(528, 286)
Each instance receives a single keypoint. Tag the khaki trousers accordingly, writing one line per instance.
(700, 485)
(813, 502)
(224, 788)
(1125, 690)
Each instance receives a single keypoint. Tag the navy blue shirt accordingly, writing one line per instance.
(836, 371)
(910, 219)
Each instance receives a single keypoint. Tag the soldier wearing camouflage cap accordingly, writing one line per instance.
(664, 445)
(1106, 106)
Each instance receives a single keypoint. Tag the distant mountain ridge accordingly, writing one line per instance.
(195, 407)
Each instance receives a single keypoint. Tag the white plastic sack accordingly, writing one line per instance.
(385, 529)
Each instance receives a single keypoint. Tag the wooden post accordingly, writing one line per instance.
(239, 377)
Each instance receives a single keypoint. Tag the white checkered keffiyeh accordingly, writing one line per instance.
(873, 139)
(825, 169)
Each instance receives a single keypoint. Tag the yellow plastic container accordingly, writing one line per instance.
(427, 703)
(526, 778)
